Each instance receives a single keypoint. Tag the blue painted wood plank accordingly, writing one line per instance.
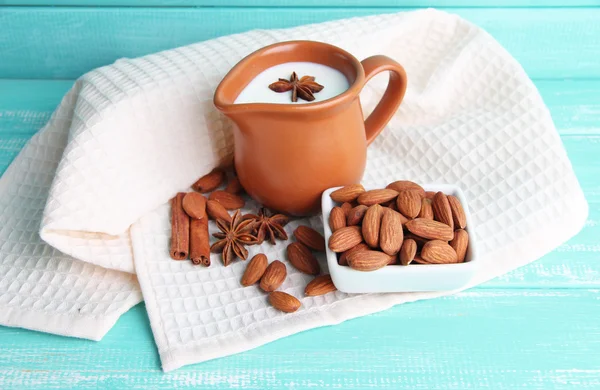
(495, 339)
(64, 42)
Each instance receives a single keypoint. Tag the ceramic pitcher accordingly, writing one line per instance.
(286, 155)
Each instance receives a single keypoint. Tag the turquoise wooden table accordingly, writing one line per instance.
(535, 328)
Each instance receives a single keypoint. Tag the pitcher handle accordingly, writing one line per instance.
(391, 98)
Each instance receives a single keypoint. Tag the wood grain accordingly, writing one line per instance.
(65, 42)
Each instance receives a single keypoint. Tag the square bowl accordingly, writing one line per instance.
(399, 278)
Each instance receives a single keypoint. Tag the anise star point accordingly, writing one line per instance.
(303, 88)
(266, 226)
(233, 237)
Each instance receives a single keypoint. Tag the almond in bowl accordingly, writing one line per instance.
(408, 238)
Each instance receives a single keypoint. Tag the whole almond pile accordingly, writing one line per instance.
(401, 224)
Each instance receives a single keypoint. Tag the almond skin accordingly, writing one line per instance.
(320, 285)
(458, 213)
(369, 198)
(432, 230)
(255, 269)
(408, 251)
(438, 252)
(337, 219)
(391, 234)
(368, 260)
(429, 194)
(234, 186)
(460, 243)
(355, 216)
(303, 259)
(393, 260)
(371, 225)
(284, 302)
(343, 260)
(346, 207)
(426, 209)
(348, 193)
(310, 237)
(409, 203)
(273, 277)
(194, 205)
(345, 238)
(227, 200)
(210, 181)
(419, 240)
(404, 185)
(215, 210)
(441, 209)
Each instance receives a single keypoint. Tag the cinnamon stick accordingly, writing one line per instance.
(199, 242)
(180, 229)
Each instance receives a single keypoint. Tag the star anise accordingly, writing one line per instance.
(303, 88)
(266, 226)
(233, 238)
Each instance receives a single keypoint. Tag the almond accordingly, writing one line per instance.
(419, 260)
(371, 225)
(372, 197)
(426, 209)
(343, 260)
(255, 269)
(320, 285)
(210, 181)
(346, 207)
(303, 259)
(337, 219)
(310, 237)
(227, 200)
(368, 260)
(194, 205)
(345, 238)
(429, 194)
(438, 252)
(408, 251)
(441, 209)
(458, 213)
(355, 216)
(234, 186)
(419, 240)
(216, 211)
(273, 277)
(391, 233)
(460, 243)
(432, 230)
(393, 260)
(348, 193)
(404, 185)
(283, 301)
(409, 203)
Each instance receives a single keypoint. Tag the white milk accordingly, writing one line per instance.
(257, 91)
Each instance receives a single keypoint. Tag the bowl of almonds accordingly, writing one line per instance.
(401, 238)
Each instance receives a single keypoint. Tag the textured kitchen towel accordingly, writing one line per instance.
(132, 134)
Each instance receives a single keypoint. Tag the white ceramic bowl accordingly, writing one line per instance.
(398, 278)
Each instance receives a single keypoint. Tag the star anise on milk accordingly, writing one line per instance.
(266, 226)
(303, 88)
(233, 238)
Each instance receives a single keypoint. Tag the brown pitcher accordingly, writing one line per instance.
(287, 154)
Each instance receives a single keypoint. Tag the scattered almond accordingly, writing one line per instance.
(441, 209)
(337, 219)
(234, 186)
(409, 203)
(273, 277)
(372, 197)
(345, 238)
(460, 243)
(432, 230)
(426, 209)
(355, 216)
(391, 234)
(303, 259)
(210, 181)
(255, 269)
(194, 205)
(343, 260)
(215, 210)
(438, 252)
(310, 237)
(404, 185)
(320, 285)
(368, 260)
(348, 193)
(283, 301)
(227, 200)
(371, 225)
(408, 251)
(458, 213)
